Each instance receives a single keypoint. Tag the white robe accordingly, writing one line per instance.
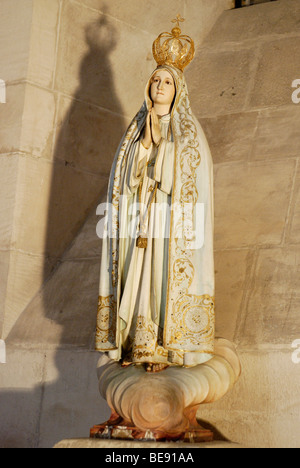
(157, 304)
(145, 271)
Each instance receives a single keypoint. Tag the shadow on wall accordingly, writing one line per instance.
(62, 317)
(87, 139)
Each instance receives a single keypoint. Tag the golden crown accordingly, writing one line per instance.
(177, 50)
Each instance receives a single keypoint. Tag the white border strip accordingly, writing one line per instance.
(2, 92)
(2, 352)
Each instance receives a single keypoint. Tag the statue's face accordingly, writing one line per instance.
(162, 90)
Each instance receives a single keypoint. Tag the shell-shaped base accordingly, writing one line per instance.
(166, 400)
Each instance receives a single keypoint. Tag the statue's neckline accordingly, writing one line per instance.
(165, 117)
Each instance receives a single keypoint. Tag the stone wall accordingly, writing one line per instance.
(75, 72)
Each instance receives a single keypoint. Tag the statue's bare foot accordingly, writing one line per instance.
(156, 367)
(126, 364)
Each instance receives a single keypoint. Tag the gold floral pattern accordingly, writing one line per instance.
(189, 322)
(144, 341)
(194, 321)
(106, 323)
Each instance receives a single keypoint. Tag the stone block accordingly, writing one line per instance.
(231, 136)
(21, 393)
(11, 118)
(232, 269)
(294, 223)
(87, 136)
(27, 120)
(272, 312)
(71, 403)
(8, 187)
(251, 203)
(73, 195)
(260, 369)
(277, 134)
(137, 12)
(32, 203)
(271, 86)
(93, 63)
(65, 309)
(26, 276)
(289, 438)
(261, 410)
(4, 269)
(200, 17)
(15, 40)
(38, 122)
(252, 24)
(218, 81)
(45, 17)
(41, 396)
(87, 244)
(52, 203)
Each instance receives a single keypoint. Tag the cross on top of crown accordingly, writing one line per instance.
(178, 20)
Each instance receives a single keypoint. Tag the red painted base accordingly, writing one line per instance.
(117, 428)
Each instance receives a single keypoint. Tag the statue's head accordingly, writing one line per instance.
(172, 53)
(162, 88)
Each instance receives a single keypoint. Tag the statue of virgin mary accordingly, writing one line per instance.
(156, 296)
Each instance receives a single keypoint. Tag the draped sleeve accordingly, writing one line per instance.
(135, 167)
(164, 166)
